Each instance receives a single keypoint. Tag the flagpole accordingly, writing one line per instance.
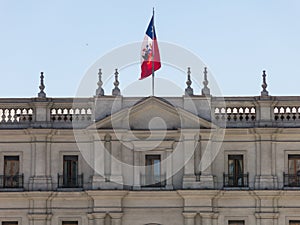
(153, 54)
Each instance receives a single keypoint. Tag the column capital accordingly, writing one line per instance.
(116, 215)
(207, 214)
(189, 215)
(39, 216)
(97, 215)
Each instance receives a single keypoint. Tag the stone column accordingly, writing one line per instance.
(116, 165)
(265, 179)
(189, 178)
(206, 178)
(40, 163)
(116, 218)
(169, 169)
(98, 180)
(136, 170)
(266, 218)
(107, 156)
(206, 218)
(197, 157)
(97, 218)
(39, 219)
(189, 218)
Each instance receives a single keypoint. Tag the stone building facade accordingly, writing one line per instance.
(115, 160)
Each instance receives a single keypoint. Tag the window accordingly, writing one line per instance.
(153, 171)
(235, 176)
(70, 177)
(70, 170)
(69, 223)
(236, 222)
(294, 165)
(12, 178)
(294, 222)
(10, 223)
(292, 179)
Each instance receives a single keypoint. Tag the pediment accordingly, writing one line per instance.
(155, 114)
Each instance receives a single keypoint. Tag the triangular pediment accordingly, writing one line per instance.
(155, 114)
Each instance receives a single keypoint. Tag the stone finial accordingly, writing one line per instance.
(264, 85)
(42, 94)
(116, 91)
(205, 90)
(189, 90)
(100, 91)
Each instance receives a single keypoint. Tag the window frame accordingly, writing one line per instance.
(10, 222)
(6, 153)
(69, 222)
(11, 219)
(70, 218)
(236, 222)
(236, 152)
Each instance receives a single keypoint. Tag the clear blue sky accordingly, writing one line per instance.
(236, 39)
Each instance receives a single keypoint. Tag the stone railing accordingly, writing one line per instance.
(70, 115)
(286, 111)
(237, 111)
(68, 112)
(229, 111)
(15, 115)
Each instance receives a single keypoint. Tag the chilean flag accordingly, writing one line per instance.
(150, 60)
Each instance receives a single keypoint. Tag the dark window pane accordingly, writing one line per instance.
(11, 171)
(235, 170)
(294, 164)
(11, 165)
(10, 223)
(70, 170)
(294, 222)
(153, 170)
(236, 222)
(69, 223)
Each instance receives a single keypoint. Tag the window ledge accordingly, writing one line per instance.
(11, 189)
(236, 188)
(69, 189)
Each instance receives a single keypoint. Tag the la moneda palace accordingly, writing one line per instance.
(108, 159)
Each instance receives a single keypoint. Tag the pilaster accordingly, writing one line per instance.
(40, 178)
(188, 144)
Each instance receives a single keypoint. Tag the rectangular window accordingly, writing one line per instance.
(292, 179)
(69, 223)
(236, 222)
(294, 222)
(235, 170)
(10, 223)
(70, 171)
(153, 170)
(11, 171)
(294, 164)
